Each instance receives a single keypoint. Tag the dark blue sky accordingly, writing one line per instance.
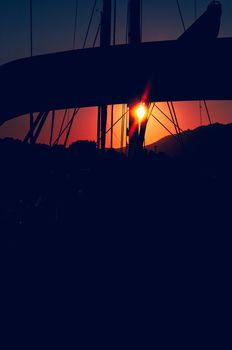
(53, 26)
(54, 22)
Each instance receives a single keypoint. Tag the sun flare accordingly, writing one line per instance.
(141, 111)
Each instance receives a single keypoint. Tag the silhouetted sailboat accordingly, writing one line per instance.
(173, 70)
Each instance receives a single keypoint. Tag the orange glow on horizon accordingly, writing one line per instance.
(85, 125)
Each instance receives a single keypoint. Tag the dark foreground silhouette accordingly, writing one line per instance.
(110, 252)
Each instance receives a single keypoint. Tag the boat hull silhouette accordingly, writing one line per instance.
(174, 70)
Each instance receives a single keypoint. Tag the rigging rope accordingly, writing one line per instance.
(115, 20)
(36, 122)
(207, 111)
(122, 128)
(116, 122)
(75, 25)
(70, 123)
(173, 121)
(62, 124)
(200, 108)
(195, 9)
(40, 126)
(181, 16)
(97, 34)
(66, 127)
(70, 127)
(165, 127)
(89, 25)
(31, 29)
(52, 128)
(90, 22)
(177, 123)
(166, 116)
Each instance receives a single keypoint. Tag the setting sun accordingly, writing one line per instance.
(141, 111)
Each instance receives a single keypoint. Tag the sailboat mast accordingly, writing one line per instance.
(134, 38)
(134, 17)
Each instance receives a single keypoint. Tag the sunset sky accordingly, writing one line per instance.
(53, 26)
